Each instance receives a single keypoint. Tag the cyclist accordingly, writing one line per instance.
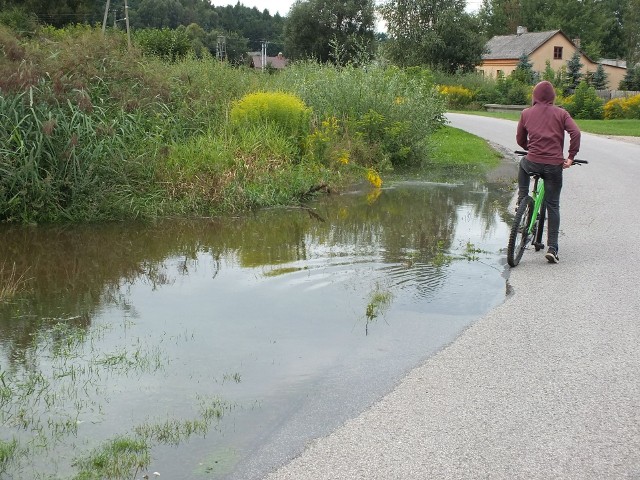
(541, 131)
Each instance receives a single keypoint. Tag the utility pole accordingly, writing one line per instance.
(126, 21)
(263, 54)
(106, 14)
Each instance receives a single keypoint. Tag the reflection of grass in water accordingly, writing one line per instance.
(282, 271)
(219, 462)
(11, 282)
(48, 399)
(64, 379)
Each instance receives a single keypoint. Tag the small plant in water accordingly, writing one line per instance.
(115, 459)
(471, 252)
(440, 257)
(378, 304)
(8, 452)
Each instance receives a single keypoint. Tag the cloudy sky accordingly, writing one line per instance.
(283, 6)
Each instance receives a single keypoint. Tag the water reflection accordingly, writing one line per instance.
(278, 298)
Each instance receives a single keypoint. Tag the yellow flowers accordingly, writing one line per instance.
(343, 158)
(374, 178)
(622, 108)
(456, 96)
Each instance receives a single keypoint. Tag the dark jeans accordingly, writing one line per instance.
(552, 176)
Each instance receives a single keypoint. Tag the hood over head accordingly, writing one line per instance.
(543, 92)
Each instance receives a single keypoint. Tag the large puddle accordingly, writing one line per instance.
(228, 343)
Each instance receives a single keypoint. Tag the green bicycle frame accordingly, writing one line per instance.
(538, 198)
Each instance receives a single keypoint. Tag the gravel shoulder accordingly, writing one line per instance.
(546, 386)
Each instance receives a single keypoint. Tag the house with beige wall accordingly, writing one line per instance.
(504, 51)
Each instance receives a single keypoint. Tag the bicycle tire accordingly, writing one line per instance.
(518, 237)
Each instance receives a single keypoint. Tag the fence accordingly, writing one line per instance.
(611, 94)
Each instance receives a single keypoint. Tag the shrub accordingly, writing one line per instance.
(585, 103)
(391, 109)
(614, 109)
(457, 97)
(623, 108)
(632, 107)
(165, 43)
(518, 94)
(19, 20)
(284, 110)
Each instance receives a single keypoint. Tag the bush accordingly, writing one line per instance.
(19, 20)
(614, 109)
(392, 110)
(585, 103)
(623, 108)
(165, 43)
(283, 110)
(632, 107)
(457, 97)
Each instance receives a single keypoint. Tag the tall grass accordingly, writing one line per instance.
(11, 282)
(90, 130)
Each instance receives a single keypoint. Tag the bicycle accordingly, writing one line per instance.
(528, 224)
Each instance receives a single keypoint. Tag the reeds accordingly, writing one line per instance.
(12, 282)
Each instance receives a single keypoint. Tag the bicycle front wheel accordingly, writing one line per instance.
(519, 236)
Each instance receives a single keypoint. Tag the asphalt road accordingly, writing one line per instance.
(547, 385)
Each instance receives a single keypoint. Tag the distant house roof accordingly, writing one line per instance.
(513, 46)
(276, 62)
(613, 62)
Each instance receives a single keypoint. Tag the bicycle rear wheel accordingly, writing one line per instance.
(519, 237)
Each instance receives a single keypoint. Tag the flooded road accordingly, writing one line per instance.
(223, 345)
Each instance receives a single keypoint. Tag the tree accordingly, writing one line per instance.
(631, 79)
(549, 73)
(599, 78)
(574, 69)
(599, 24)
(312, 25)
(631, 33)
(524, 71)
(60, 12)
(437, 33)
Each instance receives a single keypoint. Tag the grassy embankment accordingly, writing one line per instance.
(92, 131)
(623, 127)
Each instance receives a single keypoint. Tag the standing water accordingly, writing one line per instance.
(217, 348)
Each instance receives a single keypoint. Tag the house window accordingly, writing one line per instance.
(557, 53)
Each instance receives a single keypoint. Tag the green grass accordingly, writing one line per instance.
(456, 148)
(624, 127)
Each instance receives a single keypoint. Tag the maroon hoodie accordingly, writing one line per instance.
(541, 128)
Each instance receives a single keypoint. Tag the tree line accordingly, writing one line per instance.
(436, 33)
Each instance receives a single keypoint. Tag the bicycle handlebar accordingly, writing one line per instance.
(575, 160)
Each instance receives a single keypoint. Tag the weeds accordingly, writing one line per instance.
(125, 456)
(91, 131)
(11, 282)
(378, 304)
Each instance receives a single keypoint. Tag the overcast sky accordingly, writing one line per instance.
(282, 6)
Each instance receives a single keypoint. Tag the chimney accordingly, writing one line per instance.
(576, 42)
(520, 30)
